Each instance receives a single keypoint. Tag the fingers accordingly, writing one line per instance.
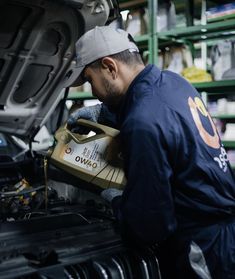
(90, 113)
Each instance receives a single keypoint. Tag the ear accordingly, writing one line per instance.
(109, 65)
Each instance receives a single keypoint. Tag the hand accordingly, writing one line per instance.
(90, 113)
(110, 193)
(98, 113)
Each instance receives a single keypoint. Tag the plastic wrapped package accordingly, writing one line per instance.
(136, 23)
(193, 74)
(176, 59)
(223, 60)
(166, 17)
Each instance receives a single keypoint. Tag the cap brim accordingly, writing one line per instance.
(78, 80)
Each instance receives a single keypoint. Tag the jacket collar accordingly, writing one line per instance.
(150, 74)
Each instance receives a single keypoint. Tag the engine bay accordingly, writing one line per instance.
(30, 187)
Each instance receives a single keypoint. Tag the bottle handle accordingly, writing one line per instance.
(99, 129)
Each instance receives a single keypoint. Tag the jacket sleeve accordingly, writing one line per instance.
(146, 208)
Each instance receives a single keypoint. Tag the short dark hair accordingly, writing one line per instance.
(126, 57)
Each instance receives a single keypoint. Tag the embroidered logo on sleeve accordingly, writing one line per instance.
(197, 107)
(222, 159)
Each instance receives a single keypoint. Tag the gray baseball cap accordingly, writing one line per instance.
(98, 43)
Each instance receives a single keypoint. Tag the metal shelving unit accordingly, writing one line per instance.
(224, 116)
(214, 87)
(200, 32)
(190, 35)
(229, 144)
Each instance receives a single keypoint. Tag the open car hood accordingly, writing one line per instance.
(37, 61)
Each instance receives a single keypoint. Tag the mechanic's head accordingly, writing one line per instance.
(109, 60)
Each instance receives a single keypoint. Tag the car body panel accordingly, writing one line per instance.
(37, 57)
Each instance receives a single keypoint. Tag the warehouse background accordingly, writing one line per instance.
(195, 39)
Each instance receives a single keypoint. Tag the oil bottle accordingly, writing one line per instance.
(94, 158)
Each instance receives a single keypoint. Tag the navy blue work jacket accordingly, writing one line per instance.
(176, 166)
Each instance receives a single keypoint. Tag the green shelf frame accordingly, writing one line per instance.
(142, 38)
(229, 143)
(79, 95)
(213, 87)
(142, 41)
(185, 35)
(225, 17)
(212, 42)
(197, 33)
(224, 116)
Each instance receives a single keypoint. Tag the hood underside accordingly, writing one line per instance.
(37, 61)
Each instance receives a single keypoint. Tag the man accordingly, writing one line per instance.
(180, 190)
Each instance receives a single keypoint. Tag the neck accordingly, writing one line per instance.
(130, 75)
